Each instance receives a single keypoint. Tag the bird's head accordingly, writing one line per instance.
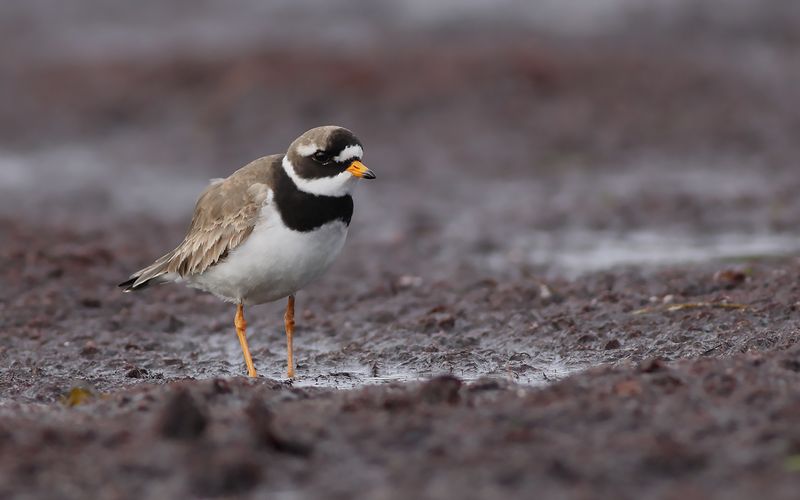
(326, 161)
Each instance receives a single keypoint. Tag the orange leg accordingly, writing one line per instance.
(241, 327)
(288, 320)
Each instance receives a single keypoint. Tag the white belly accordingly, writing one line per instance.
(274, 262)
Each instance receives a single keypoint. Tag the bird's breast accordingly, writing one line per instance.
(275, 262)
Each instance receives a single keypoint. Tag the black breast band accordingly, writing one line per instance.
(301, 211)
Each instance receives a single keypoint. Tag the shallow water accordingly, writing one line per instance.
(341, 377)
(575, 252)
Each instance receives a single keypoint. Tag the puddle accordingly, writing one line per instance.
(578, 252)
(318, 364)
(538, 375)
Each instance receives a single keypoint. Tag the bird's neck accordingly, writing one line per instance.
(335, 186)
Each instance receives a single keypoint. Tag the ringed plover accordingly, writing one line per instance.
(269, 229)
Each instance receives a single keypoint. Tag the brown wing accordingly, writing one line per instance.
(224, 216)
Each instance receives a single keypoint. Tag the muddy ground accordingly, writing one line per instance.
(685, 384)
(576, 275)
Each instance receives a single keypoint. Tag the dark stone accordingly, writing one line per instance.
(137, 373)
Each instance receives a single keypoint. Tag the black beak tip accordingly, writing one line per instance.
(369, 174)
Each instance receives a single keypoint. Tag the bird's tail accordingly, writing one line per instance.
(154, 273)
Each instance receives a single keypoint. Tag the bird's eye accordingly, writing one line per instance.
(321, 156)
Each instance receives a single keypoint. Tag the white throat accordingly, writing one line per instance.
(338, 185)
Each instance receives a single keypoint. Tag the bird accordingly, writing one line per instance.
(268, 230)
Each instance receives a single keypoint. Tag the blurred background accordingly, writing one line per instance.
(550, 135)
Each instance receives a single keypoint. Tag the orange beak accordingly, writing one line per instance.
(360, 170)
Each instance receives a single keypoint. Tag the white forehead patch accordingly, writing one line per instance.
(352, 151)
(338, 185)
(307, 149)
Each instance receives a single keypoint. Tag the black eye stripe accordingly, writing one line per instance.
(321, 157)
